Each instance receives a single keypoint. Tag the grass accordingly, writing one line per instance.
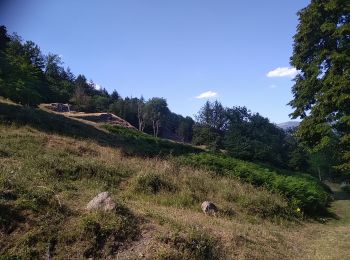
(129, 141)
(331, 241)
(48, 173)
(46, 180)
(303, 191)
(191, 245)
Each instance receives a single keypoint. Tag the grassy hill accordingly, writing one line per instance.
(52, 166)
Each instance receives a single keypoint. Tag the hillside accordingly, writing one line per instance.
(97, 118)
(52, 166)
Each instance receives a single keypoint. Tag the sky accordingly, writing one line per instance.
(187, 51)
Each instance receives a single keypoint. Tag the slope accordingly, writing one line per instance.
(52, 166)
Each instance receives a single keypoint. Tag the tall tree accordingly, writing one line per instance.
(185, 129)
(141, 113)
(211, 123)
(322, 87)
(61, 81)
(81, 101)
(21, 76)
(156, 112)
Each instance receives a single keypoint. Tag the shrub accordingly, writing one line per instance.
(302, 191)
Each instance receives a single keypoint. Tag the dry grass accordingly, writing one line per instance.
(249, 226)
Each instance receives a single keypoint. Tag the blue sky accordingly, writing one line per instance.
(172, 49)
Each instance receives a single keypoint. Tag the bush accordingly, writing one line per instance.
(302, 191)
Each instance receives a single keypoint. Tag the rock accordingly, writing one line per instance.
(344, 184)
(60, 107)
(209, 208)
(102, 201)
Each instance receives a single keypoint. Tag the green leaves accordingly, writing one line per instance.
(322, 90)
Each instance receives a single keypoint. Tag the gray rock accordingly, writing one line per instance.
(209, 208)
(102, 201)
(344, 184)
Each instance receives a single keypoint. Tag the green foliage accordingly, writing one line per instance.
(210, 126)
(303, 191)
(306, 192)
(247, 136)
(60, 81)
(30, 78)
(131, 142)
(146, 145)
(156, 111)
(21, 75)
(321, 91)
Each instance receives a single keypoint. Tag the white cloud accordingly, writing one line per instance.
(208, 94)
(97, 87)
(282, 72)
(273, 86)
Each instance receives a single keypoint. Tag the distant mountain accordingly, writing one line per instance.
(289, 124)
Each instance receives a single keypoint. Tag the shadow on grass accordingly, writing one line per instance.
(341, 195)
(130, 144)
(9, 218)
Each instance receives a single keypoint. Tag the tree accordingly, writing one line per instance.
(4, 38)
(185, 129)
(156, 112)
(213, 115)
(211, 122)
(4, 64)
(251, 136)
(294, 153)
(61, 81)
(100, 103)
(115, 96)
(321, 91)
(80, 99)
(21, 76)
(141, 113)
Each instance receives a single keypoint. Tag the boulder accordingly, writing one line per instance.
(209, 208)
(344, 184)
(102, 201)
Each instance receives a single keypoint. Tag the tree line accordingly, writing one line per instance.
(249, 136)
(29, 77)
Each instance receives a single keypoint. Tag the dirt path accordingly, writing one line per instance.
(332, 240)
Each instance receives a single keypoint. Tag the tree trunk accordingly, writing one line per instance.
(319, 173)
(157, 128)
(154, 128)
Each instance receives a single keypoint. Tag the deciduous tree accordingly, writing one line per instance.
(322, 88)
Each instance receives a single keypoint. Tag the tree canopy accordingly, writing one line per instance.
(321, 91)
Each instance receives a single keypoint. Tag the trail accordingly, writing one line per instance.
(331, 240)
